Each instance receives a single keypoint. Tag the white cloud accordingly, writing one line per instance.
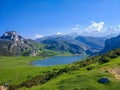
(58, 33)
(96, 29)
(38, 36)
(113, 29)
(76, 28)
(95, 26)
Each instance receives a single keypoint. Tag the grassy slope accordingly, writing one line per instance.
(83, 79)
(15, 70)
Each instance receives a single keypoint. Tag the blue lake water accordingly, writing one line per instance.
(57, 60)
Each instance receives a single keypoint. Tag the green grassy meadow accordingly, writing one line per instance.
(83, 79)
(16, 70)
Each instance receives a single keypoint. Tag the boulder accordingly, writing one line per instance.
(103, 80)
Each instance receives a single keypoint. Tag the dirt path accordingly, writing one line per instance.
(3, 88)
(115, 72)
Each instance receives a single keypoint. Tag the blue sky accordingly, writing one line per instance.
(47, 17)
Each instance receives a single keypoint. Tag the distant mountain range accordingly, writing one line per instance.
(12, 44)
(62, 44)
(72, 44)
(93, 44)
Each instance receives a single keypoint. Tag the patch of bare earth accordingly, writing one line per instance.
(115, 72)
(3, 88)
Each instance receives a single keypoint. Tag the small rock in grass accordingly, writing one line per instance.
(103, 80)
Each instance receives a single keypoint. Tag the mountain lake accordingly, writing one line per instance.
(57, 60)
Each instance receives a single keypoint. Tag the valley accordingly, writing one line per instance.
(59, 44)
(95, 62)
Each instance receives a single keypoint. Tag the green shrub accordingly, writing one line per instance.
(13, 87)
(84, 63)
(90, 68)
(63, 70)
(118, 53)
(104, 60)
(74, 67)
(113, 56)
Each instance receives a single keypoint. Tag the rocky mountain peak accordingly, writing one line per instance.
(13, 36)
(10, 35)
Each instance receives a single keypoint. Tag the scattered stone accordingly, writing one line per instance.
(103, 80)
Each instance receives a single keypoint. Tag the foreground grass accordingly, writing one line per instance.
(83, 79)
(15, 70)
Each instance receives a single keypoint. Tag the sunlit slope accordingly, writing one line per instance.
(84, 75)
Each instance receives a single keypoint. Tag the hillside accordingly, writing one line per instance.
(84, 79)
(94, 44)
(112, 43)
(81, 75)
(73, 44)
(12, 44)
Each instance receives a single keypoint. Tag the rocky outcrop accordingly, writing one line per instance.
(13, 44)
(112, 43)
